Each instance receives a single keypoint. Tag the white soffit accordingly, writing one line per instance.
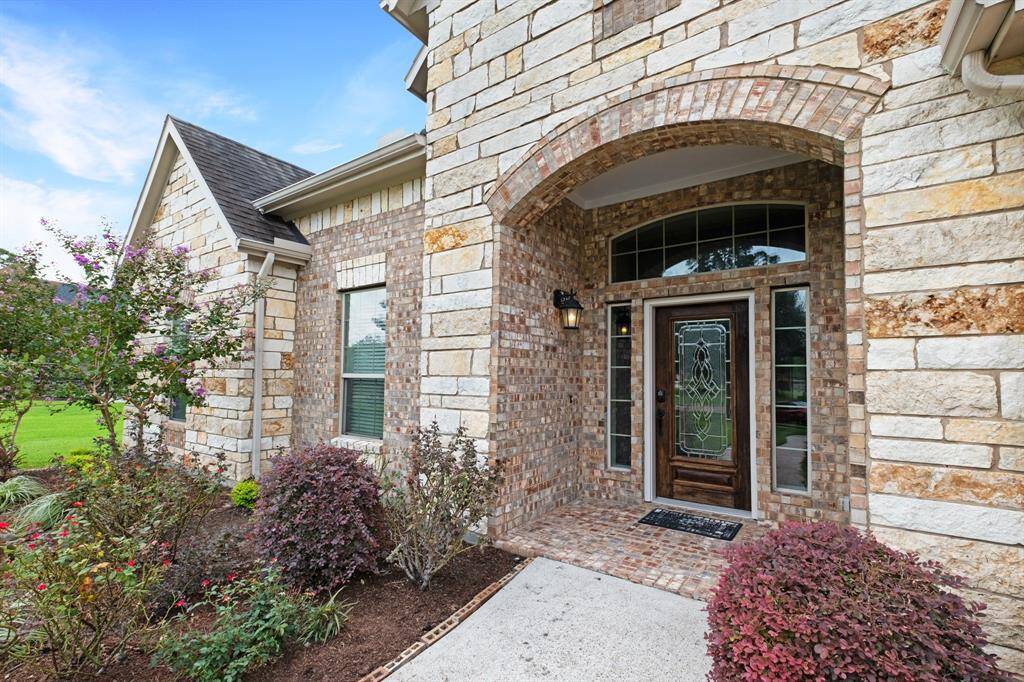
(678, 168)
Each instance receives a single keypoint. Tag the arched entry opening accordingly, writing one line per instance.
(687, 285)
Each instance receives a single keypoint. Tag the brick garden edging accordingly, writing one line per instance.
(446, 626)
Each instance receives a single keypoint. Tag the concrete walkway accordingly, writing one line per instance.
(558, 622)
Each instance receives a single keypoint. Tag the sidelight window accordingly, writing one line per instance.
(620, 402)
(791, 396)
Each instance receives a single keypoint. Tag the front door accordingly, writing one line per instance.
(701, 391)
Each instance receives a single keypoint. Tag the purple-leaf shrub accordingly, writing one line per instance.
(815, 601)
(319, 516)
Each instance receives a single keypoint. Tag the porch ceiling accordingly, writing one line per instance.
(676, 169)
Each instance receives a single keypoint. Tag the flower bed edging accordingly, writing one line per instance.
(443, 628)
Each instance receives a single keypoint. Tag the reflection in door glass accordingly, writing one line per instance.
(703, 390)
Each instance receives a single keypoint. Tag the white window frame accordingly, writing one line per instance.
(356, 375)
(807, 364)
(609, 462)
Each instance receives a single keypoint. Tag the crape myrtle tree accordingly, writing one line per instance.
(141, 327)
(25, 342)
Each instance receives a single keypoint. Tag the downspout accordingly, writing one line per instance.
(257, 373)
(980, 81)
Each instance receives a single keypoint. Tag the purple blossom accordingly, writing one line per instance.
(92, 341)
(180, 250)
(159, 349)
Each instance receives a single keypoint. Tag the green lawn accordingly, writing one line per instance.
(44, 435)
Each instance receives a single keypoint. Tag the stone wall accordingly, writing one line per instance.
(933, 239)
(384, 246)
(943, 262)
(185, 216)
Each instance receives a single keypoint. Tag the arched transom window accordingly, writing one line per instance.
(711, 239)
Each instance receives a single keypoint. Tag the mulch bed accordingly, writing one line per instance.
(389, 614)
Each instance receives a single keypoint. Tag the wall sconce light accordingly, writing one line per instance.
(569, 308)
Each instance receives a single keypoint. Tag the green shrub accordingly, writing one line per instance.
(80, 459)
(254, 617)
(245, 493)
(73, 600)
(446, 491)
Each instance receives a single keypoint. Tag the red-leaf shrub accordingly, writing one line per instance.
(319, 516)
(813, 601)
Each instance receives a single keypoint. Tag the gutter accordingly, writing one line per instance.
(257, 373)
(982, 82)
(978, 32)
(288, 251)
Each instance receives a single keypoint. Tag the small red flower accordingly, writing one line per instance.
(76, 504)
(63, 532)
(179, 603)
(166, 562)
(41, 587)
(131, 563)
(31, 545)
(231, 577)
(205, 583)
(3, 526)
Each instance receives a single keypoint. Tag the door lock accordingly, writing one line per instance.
(659, 395)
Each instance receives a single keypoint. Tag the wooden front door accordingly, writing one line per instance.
(702, 393)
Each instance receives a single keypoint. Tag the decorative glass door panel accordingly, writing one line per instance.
(702, 392)
(701, 410)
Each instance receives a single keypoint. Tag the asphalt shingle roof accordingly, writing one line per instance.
(236, 175)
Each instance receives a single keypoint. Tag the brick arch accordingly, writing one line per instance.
(811, 111)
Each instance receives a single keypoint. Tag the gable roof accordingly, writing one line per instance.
(231, 175)
(236, 175)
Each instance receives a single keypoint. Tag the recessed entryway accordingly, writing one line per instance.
(698, 383)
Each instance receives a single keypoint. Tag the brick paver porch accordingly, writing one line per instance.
(606, 536)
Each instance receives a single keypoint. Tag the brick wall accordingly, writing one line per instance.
(339, 239)
(933, 240)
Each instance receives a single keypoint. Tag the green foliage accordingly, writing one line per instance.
(14, 492)
(446, 491)
(254, 617)
(73, 599)
(148, 497)
(245, 493)
(42, 513)
(81, 459)
(27, 341)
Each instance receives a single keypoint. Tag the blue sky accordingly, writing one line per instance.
(84, 87)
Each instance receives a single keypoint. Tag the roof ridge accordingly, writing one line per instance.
(240, 144)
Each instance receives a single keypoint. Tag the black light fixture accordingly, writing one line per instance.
(569, 308)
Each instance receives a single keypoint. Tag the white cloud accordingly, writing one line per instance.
(23, 204)
(318, 146)
(90, 110)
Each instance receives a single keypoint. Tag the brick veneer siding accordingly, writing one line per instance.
(397, 233)
(933, 196)
(538, 366)
(819, 186)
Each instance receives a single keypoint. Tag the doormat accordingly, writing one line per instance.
(691, 523)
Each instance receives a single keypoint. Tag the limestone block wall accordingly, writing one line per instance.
(184, 216)
(933, 242)
(365, 241)
(943, 278)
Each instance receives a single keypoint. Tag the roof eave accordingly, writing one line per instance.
(403, 159)
(411, 14)
(416, 77)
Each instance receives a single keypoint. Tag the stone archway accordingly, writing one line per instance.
(812, 111)
(816, 112)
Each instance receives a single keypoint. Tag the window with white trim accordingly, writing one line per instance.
(364, 314)
(620, 399)
(790, 394)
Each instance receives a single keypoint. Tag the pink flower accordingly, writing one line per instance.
(205, 583)
(179, 603)
(231, 577)
(3, 526)
(76, 504)
(131, 563)
(41, 587)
